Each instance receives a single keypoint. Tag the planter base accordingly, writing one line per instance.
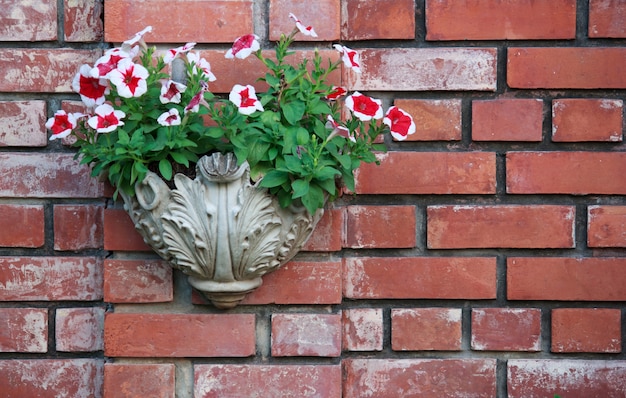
(225, 295)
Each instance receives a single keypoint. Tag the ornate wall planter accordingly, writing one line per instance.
(221, 230)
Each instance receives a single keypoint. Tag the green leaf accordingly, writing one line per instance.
(165, 168)
(314, 199)
(293, 164)
(274, 178)
(179, 158)
(293, 111)
(326, 173)
(302, 136)
(300, 188)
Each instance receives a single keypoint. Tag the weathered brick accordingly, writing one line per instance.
(213, 381)
(566, 279)
(137, 281)
(565, 378)
(27, 225)
(23, 330)
(150, 335)
(323, 15)
(362, 329)
(377, 19)
(426, 329)
(139, 380)
(83, 20)
(28, 21)
(50, 278)
(424, 69)
(79, 329)
(22, 123)
(448, 173)
(529, 226)
(317, 335)
(202, 21)
(45, 175)
(42, 70)
(497, 20)
(507, 120)
(586, 330)
(606, 226)
(436, 120)
(584, 119)
(363, 227)
(577, 173)
(420, 277)
(607, 18)
(120, 233)
(506, 329)
(51, 377)
(566, 67)
(427, 378)
(327, 234)
(78, 227)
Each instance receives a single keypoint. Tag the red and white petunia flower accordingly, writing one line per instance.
(245, 98)
(336, 93)
(91, 89)
(174, 52)
(62, 124)
(201, 65)
(363, 107)
(106, 119)
(171, 91)
(170, 118)
(307, 30)
(244, 46)
(338, 129)
(400, 123)
(108, 62)
(198, 99)
(129, 45)
(350, 57)
(129, 79)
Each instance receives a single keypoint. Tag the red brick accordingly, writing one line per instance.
(310, 335)
(323, 15)
(583, 119)
(586, 330)
(505, 226)
(23, 330)
(378, 19)
(327, 234)
(425, 69)
(420, 278)
(577, 173)
(216, 381)
(123, 380)
(28, 21)
(606, 226)
(607, 18)
(363, 227)
(300, 282)
(22, 123)
(566, 67)
(426, 329)
(427, 378)
(201, 21)
(79, 329)
(78, 227)
(83, 20)
(565, 278)
(206, 335)
(436, 120)
(45, 175)
(51, 377)
(565, 378)
(26, 223)
(362, 329)
(137, 281)
(42, 70)
(497, 20)
(120, 233)
(507, 120)
(50, 278)
(506, 329)
(437, 173)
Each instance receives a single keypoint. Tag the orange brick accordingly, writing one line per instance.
(436, 120)
(378, 19)
(24, 330)
(78, 227)
(24, 226)
(506, 329)
(606, 226)
(83, 20)
(27, 21)
(120, 233)
(327, 233)
(582, 119)
(607, 18)
(586, 330)
(507, 120)
(363, 227)
(139, 380)
(362, 329)
(137, 281)
(323, 15)
(22, 123)
(439, 329)
(310, 335)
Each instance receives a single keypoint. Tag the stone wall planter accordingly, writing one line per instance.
(221, 230)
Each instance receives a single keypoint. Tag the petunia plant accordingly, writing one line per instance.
(292, 134)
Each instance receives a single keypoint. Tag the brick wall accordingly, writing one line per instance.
(484, 257)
